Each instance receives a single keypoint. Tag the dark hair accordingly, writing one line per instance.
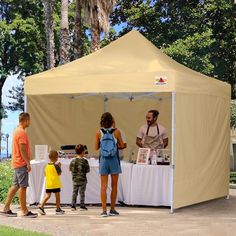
(24, 116)
(53, 155)
(155, 113)
(106, 120)
(79, 149)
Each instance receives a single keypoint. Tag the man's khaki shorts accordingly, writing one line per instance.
(21, 177)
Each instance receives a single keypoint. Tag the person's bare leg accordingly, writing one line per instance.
(58, 200)
(10, 195)
(22, 199)
(104, 180)
(45, 199)
(114, 182)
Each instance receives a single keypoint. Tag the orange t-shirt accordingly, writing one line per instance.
(19, 137)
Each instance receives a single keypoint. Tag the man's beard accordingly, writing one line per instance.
(149, 123)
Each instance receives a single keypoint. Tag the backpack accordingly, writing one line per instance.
(108, 147)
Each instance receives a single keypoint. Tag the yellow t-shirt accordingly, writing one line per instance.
(52, 177)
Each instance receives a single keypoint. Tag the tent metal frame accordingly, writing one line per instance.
(172, 153)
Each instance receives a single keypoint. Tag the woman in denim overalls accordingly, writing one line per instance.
(109, 165)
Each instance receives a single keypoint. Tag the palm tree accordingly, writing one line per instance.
(64, 36)
(97, 14)
(48, 11)
(78, 50)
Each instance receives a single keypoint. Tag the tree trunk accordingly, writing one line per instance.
(64, 36)
(95, 32)
(48, 11)
(2, 81)
(78, 50)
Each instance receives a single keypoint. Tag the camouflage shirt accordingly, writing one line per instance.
(79, 167)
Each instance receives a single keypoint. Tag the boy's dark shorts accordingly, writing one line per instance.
(53, 190)
(21, 177)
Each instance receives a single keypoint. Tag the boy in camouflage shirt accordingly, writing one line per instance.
(79, 167)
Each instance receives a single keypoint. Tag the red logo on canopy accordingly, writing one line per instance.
(160, 80)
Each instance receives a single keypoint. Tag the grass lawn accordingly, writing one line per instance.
(8, 231)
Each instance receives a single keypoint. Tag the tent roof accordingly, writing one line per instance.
(131, 64)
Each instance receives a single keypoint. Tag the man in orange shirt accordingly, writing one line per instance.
(21, 166)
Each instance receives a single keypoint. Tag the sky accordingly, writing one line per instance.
(11, 121)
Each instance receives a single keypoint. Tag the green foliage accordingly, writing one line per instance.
(109, 38)
(233, 116)
(9, 231)
(6, 174)
(22, 38)
(191, 51)
(17, 97)
(232, 178)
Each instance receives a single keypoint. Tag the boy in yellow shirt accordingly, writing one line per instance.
(53, 183)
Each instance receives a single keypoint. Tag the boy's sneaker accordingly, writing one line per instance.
(59, 211)
(83, 208)
(73, 208)
(104, 214)
(41, 211)
(30, 215)
(113, 213)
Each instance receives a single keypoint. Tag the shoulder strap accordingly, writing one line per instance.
(111, 131)
(158, 130)
(106, 131)
(103, 131)
(148, 130)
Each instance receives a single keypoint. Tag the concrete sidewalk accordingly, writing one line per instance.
(216, 218)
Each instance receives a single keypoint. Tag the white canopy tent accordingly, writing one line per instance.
(128, 77)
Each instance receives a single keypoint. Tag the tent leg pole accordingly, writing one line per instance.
(25, 103)
(172, 166)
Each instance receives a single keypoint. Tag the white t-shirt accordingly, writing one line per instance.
(152, 131)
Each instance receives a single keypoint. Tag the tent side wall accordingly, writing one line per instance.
(130, 116)
(70, 121)
(59, 120)
(202, 148)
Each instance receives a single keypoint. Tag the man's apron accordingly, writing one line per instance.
(155, 142)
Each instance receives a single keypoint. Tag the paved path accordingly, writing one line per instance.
(213, 218)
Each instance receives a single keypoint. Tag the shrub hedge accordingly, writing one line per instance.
(6, 180)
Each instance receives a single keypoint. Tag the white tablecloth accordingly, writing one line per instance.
(150, 185)
(36, 189)
(138, 184)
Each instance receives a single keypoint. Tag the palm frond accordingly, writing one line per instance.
(100, 9)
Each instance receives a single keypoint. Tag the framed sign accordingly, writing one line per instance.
(41, 152)
(143, 156)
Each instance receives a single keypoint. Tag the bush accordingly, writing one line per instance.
(6, 174)
(232, 177)
(233, 116)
